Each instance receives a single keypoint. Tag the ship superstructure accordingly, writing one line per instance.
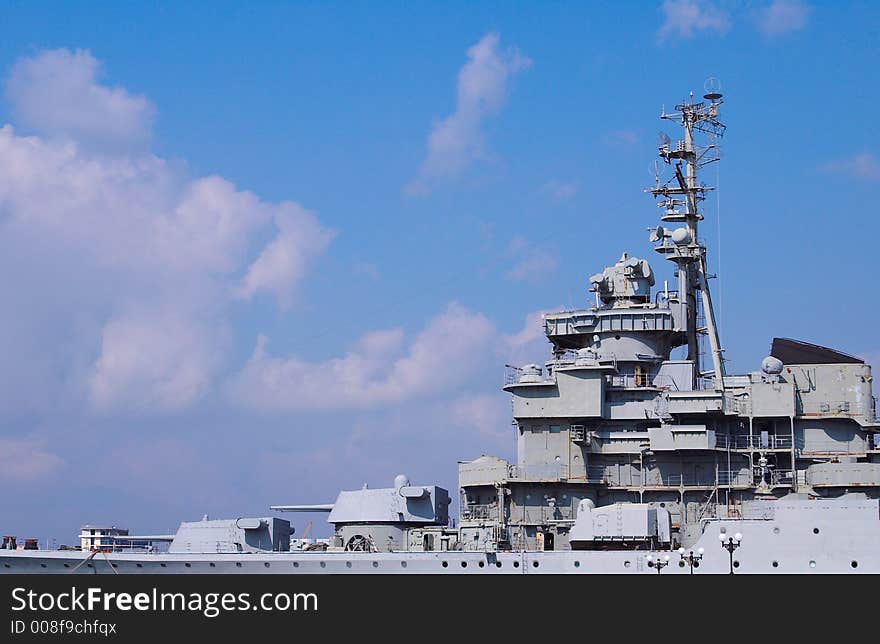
(612, 418)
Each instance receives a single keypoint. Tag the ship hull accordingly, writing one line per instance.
(806, 539)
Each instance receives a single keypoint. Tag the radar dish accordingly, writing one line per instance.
(663, 139)
(712, 87)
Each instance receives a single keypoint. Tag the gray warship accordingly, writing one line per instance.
(628, 461)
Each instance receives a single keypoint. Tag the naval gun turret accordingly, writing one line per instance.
(400, 517)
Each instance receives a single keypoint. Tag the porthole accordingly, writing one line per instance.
(497, 564)
(482, 564)
(516, 564)
(68, 565)
(188, 565)
(445, 564)
(681, 564)
(375, 564)
(266, 564)
(464, 564)
(776, 564)
(296, 564)
(577, 564)
(114, 565)
(696, 564)
(237, 564)
(535, 564)
(815, 530)
(6, 566)
(91, 566)
(348, 564)
(403, 564)
(854, 564)
(323, 564)
(812, 564)
(212, 564)
(42, 565)
(626, 564)
(140, 565)
(161, 564)
(736, 564)
(617, 337)
(776, 530)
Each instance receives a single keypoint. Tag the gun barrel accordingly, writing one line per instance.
(321, 507)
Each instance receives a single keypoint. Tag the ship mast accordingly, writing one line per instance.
(686, 248)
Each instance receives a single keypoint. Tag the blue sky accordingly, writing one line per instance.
(213, 212)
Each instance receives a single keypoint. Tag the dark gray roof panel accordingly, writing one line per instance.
(797, 352)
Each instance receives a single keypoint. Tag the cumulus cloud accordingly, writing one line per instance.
(487, 414)
(57, 93)
(864, 166)
(782, 16)
(380, 369)
(457, 141)
(153, 361)
(26, 458)
(285, 260)
(157, 256)
(688, 17)
(532, 263)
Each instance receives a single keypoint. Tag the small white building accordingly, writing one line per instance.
(100, 536)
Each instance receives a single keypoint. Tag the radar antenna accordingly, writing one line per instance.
(680, 199)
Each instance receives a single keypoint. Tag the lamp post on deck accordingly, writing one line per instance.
(692, 559)
(658, 562)
(730, 544)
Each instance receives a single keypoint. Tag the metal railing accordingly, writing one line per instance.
(754, 442)
(655, 479)
(632, 380)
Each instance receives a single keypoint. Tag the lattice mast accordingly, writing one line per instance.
(681, 197)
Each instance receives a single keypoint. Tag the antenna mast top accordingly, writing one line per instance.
(683, 246)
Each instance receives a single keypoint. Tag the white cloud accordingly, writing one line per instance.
(153, 361)
(488, 414)
(284, 261)
(26, 458)
(57, 93)
(687, 17)
(530, 338)
(146, 259)
(533, 263)
(864, 166)
(378, 370)
(457, 141)
(782, 16)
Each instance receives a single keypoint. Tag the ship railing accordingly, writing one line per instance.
(654, 479)
(638, 380)
(755, 442)
(511, 374)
